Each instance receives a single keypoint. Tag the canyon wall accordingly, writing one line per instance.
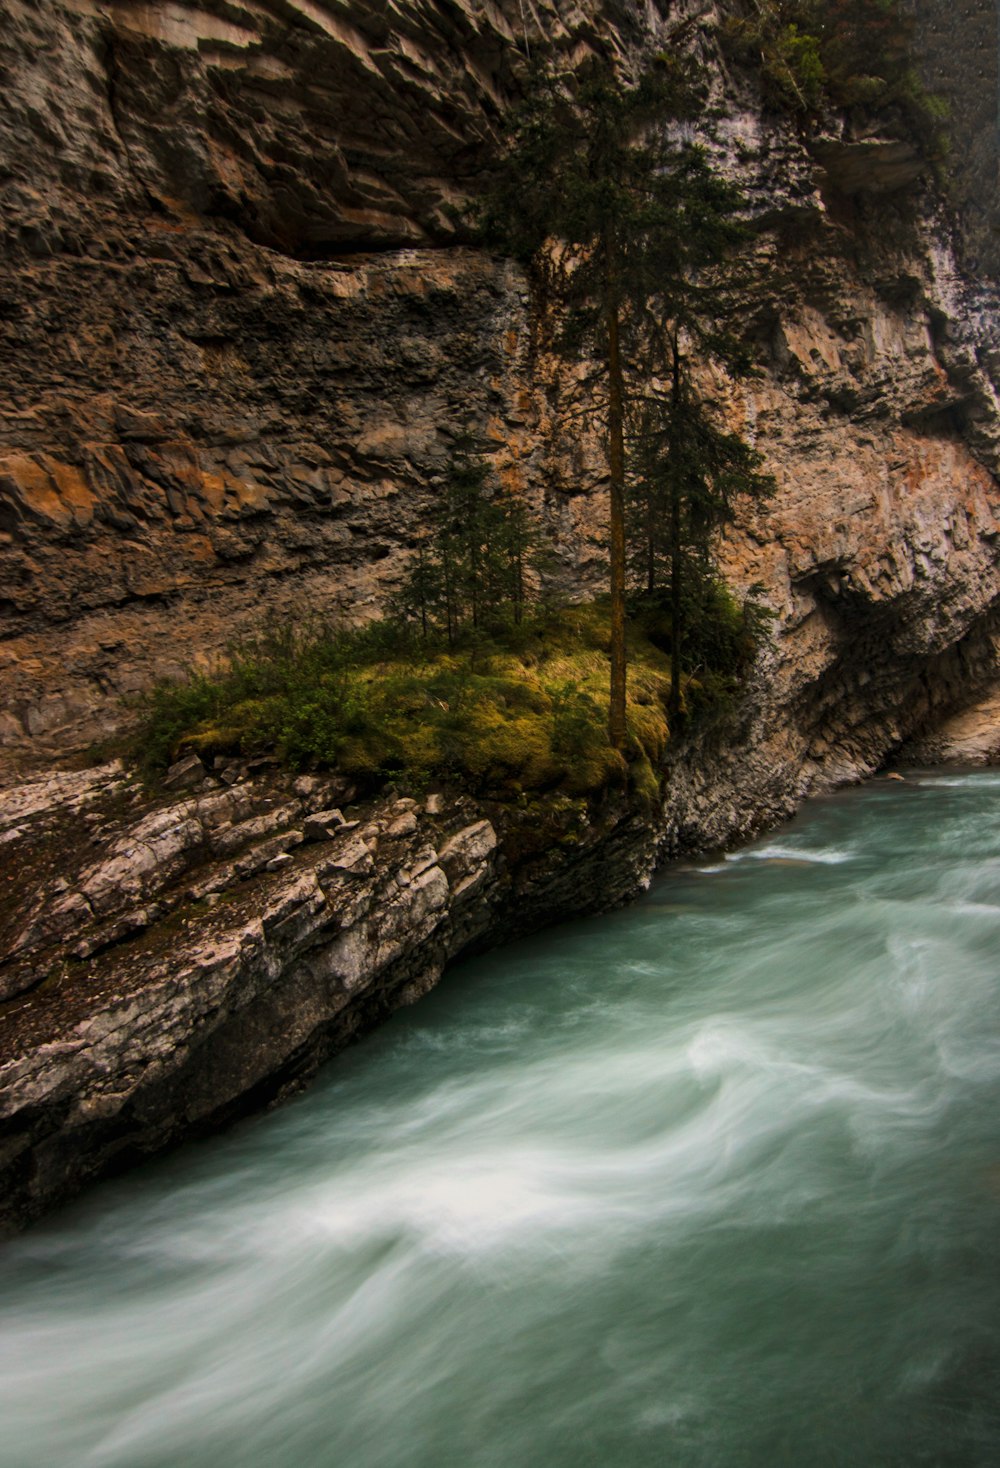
(958, 43)
(239, 334)
(238, 337)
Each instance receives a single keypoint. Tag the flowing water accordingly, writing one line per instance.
(713, 1182)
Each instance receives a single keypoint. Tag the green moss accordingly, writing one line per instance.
(646, 783)
(503, 719)
(524, 714)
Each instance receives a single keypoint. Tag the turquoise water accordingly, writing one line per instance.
(713, 1181)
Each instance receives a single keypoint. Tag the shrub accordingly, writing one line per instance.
(856, 55)
(722, 634)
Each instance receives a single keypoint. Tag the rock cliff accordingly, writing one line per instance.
(239, 336)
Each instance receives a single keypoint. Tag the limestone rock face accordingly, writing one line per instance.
(957, 41)
(238, 340)
(213, 405)
(312, 126)
(239, 336)
(201, 958)
(969, 736)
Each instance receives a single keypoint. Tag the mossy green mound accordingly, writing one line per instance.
(524, 712)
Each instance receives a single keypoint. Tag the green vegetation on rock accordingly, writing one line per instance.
(523, 711)
(852, 55)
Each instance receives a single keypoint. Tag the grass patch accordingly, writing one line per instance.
(525, 711)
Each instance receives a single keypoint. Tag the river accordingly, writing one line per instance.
(712, 1182)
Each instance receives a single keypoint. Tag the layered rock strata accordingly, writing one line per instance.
(203, 954)
(206, 417)
(239, 338)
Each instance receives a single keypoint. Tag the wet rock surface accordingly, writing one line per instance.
(239, 337)
(173, 963)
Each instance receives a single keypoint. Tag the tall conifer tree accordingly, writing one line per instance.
(623, 225)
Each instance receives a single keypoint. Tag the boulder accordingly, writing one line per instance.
(323, 825)
(187, 774)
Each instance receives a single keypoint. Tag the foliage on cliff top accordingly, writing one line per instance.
(853, 55)
(521, 712)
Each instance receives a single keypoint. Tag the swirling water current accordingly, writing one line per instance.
(712, 1182)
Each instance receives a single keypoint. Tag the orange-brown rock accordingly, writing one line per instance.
(238, 337)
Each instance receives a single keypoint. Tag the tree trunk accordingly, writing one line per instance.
(616, 467)
(449, 603)
(422, 584)
(518, 577)
(475, 569)
(674, 703)
(650, 540)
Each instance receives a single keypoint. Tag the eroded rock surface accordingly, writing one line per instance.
(238, 340)
(174, 963)
(969, 736)
(238, 337)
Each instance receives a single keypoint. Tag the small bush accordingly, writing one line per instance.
(789, 58)
(169, 712)
(721, 635)
(855, 55)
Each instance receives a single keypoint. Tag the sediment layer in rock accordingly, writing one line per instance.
(239, 337)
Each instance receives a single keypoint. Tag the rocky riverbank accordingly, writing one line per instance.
(177, 962)
(240, 338)
(174, 962)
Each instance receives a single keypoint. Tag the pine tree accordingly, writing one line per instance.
(470, 575)
(690, 472)
(639, 221)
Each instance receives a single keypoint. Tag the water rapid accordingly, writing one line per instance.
(713, 1182)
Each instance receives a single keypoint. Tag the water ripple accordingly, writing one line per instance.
(713, 1182)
